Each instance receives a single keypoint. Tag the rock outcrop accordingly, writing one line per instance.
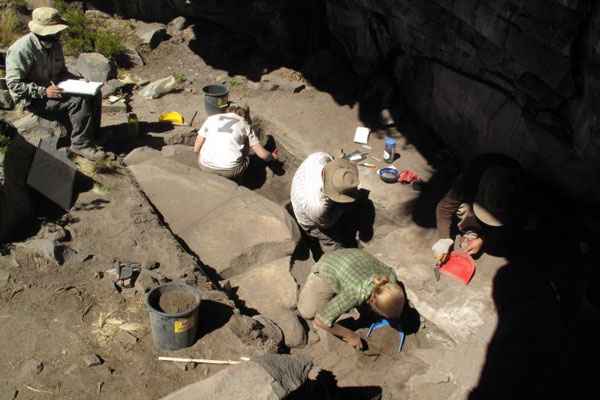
(512, 76)
(228, 226)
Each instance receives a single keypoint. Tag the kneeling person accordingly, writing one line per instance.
(224, 142)
(345, 279)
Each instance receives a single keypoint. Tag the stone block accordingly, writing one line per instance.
(181, 153)
(272, 291)
(151, 33)
(95, 67)
(177, 25)
(140, 154)
(230, 227)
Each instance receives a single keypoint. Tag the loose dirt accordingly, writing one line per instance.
(175, 302)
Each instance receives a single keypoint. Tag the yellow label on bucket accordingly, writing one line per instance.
(182, 325)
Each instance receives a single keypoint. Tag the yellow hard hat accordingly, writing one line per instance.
(172, 116)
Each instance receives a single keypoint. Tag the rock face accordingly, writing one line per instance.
(514, 76)
(229, 227)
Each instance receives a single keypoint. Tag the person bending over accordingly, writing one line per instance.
(224, 142)
(345, 279)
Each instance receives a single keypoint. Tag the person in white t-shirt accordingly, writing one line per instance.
(224, 142)
(322, 190)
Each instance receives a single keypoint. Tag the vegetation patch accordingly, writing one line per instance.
(85, 35)
(11, 27)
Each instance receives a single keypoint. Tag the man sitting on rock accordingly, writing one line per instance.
(323, 188)
(224, 142)
(34, 63)
(482, 200)
(345, 279)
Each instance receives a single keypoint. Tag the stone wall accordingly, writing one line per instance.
(510, 76)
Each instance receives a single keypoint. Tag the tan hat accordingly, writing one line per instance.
(46, 21)
(340, 181)
(495, 196)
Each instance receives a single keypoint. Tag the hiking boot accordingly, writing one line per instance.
(89, 153)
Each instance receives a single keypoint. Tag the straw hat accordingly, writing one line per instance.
(46, 21)
(495, 196)
(340, 181)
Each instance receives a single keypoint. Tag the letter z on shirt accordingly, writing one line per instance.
(226, 141)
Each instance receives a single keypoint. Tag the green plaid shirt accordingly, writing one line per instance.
(350, 273)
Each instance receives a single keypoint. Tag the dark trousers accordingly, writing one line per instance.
(81, 116)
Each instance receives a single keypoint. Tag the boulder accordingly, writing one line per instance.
(111, 87)
(34, 128)
(229, 227)
(140, 154)
(181, 153)
(177, 25)
(130, 58)
(151, 34)
(33, 4)
(269, 377)
(95, 67)
(271, 290)
(97, 14)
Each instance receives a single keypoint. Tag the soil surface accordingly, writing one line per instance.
(54, 316)
(174, 302)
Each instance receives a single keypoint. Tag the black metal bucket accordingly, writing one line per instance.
(174, 330)
(216, 98)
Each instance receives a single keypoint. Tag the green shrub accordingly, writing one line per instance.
(10, 27)
(108, 44)
(83, 37)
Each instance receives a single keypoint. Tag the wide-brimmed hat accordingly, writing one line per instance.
(496, 194)
(340, 181)
(46, 21)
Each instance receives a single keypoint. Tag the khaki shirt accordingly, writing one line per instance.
(30, 67)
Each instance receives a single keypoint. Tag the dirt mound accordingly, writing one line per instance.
(175, 302)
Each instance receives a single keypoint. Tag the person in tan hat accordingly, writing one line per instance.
(322, 190)
(34, 63)
(481, 199)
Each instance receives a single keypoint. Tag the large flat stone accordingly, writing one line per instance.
(271, 290)
(460, 311)
(229, 227)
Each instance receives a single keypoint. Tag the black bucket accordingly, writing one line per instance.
(174, 316)
(216, 98)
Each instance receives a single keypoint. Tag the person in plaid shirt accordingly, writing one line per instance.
(345, 279)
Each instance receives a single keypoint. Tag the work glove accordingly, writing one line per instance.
(441, 249)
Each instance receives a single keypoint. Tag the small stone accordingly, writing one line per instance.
(97, 14)
(92, 360)
(30, 368)
(126, 339)
(176, 25)
(150, 265)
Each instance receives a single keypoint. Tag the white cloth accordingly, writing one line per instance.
(226, 140)
(311, 207)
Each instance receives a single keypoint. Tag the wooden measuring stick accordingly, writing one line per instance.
(203, 361)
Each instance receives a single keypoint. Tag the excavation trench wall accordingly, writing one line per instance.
(517, 77)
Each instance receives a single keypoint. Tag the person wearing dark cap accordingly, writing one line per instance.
(481, 200)
(322, 190)
(34, 63)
